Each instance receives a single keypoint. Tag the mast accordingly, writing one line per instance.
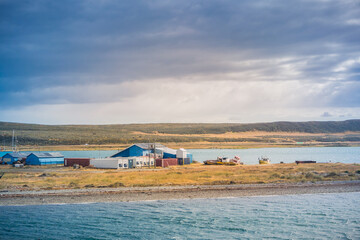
(12, 141)
(154, 154)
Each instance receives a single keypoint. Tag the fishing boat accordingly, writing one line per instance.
(264, 160)
(224, 161)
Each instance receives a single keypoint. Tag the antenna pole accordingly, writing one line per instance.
(154, 154)
(12, 141)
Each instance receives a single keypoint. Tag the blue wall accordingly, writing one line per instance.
(13, 159)
(136, 151)
(189, 155)
(133, 151)
(169, 155)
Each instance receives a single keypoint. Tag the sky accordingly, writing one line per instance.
(175, 61)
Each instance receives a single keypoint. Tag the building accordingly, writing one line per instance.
(44, 158)
(122, 162)
(12, 157)
(69, 162)
(183, 154)
(144, 149)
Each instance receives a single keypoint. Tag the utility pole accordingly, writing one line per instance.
(154, 154)
(4, 140)
(15, 140)
(149, 148)
(12, 141)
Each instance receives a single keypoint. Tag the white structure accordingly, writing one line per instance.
(181, 153)
(143, 161)
(122, 162)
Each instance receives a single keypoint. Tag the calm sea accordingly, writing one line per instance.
(318, 216)
(250, 156)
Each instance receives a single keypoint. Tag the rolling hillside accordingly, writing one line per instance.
(275, 132)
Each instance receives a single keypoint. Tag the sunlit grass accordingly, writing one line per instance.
(195, 174)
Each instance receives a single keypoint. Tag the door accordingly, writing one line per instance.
(131, 163)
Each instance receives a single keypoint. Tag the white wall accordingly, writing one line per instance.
(143, 161)
(181, 153)
(121, 162)
(112, 163)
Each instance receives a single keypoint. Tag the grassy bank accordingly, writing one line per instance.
(37, 178)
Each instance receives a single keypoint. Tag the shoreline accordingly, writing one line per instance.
(130, 194)
(234, 145)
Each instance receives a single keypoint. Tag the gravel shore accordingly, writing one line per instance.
(166, 193)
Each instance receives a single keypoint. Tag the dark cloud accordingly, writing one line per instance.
(50, 44)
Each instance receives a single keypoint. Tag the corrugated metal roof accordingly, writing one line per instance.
(149, 145)
(157, 145)
(47, 154)
(18, 154)
(167, 150)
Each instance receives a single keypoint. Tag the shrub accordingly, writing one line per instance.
(73, 185)
(275, 175)
(309, 175)
(332, 174)
(116, 184)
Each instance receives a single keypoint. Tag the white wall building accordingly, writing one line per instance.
(122, 162)
(181, 153)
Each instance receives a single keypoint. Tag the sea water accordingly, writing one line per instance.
(286, 155)
(313, 216)
(250, 156)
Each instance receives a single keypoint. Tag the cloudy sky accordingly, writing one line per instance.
(109, 61)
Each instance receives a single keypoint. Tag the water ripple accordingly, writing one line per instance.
(318, 216)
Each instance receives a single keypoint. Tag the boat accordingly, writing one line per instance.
(305, 161)
(224, 161)
(264, 160)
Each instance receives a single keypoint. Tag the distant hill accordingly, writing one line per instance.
(36, 134)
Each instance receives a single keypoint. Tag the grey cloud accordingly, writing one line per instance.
(326, 114)
(50, 44)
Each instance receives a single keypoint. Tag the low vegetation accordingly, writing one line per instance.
(38, 178)
(342, 133)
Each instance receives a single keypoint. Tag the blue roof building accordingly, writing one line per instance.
(144, 149)
(12, 157)
(45, 158)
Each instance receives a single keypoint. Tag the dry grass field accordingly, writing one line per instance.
(40, 178)
(193, 135)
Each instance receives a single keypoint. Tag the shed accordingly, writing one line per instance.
(45, 158)
(12, 157)
(181, 153)
(69, 162)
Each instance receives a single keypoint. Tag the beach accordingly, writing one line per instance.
(126, 194)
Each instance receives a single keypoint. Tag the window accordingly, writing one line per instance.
(137, 163)
(152, 163)
(120, 165)
(125, 165)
